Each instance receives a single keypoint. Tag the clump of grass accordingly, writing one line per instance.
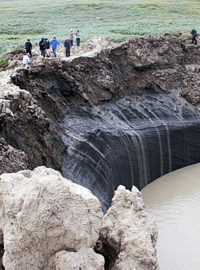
(3, 62)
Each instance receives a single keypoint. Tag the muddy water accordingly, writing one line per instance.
(174, 201)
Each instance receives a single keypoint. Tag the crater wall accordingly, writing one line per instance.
(124, 115)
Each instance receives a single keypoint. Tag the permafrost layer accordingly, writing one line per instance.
(122, 116)
(132, 142)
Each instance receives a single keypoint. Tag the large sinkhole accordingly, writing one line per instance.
(131, 141)
(129, 137)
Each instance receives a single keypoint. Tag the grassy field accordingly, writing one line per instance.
(116, 19)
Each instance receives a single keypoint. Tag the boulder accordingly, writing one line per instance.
(128, 233)
(42, 213)
(84, 259)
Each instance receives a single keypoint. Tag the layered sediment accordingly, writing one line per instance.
(124, 115)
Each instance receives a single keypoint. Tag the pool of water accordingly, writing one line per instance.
(174, 202)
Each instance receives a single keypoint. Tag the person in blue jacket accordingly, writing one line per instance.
(54, 45)
(67, 45)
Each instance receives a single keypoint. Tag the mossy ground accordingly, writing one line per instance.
(116, 19)
(3, 62)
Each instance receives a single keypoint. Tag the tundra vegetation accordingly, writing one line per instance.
(115, 19)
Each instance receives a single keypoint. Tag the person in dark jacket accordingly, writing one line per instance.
(28, 47)
(47, 45)
(67, 45)
(42, 46)
(194, 36)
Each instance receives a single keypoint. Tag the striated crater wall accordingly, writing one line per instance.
(125, 115)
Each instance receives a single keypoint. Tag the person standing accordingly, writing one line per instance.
(194, 36)
(47, 45)
(67, 45)
(78, 38)
(28, 47)
(71, 37)
(54, 45)
(42, 47)
(26, 60)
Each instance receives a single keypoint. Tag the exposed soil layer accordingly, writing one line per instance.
(31, 110)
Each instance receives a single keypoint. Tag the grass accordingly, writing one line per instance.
(116, 19)
(3, 62)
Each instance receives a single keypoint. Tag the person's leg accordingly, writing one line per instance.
(78, 42)
(30, 53)
(43, 53)
(195, 42)
(67, 52)
(54, 51)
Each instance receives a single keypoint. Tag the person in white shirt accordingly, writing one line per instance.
(27, 62)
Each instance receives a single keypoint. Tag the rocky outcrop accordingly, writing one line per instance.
(84, 259)
(129, 232)
(11, 159)
(165, 63)
(28, 137)
(42, 213)
(47, 222)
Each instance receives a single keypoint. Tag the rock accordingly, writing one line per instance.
(129, 232)
(42, 213)
(11, 159)
(26, 130)
(84, 259)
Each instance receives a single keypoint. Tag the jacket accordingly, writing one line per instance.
(54, 43)
(67, 44)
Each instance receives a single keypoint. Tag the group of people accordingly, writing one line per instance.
(50, 47)
(47, 47)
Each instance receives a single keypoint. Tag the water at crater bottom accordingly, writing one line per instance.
(174, 202)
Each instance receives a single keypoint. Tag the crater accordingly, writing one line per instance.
(126, 115)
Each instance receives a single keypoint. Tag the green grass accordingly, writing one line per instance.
(116, 19)
(3, 62)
